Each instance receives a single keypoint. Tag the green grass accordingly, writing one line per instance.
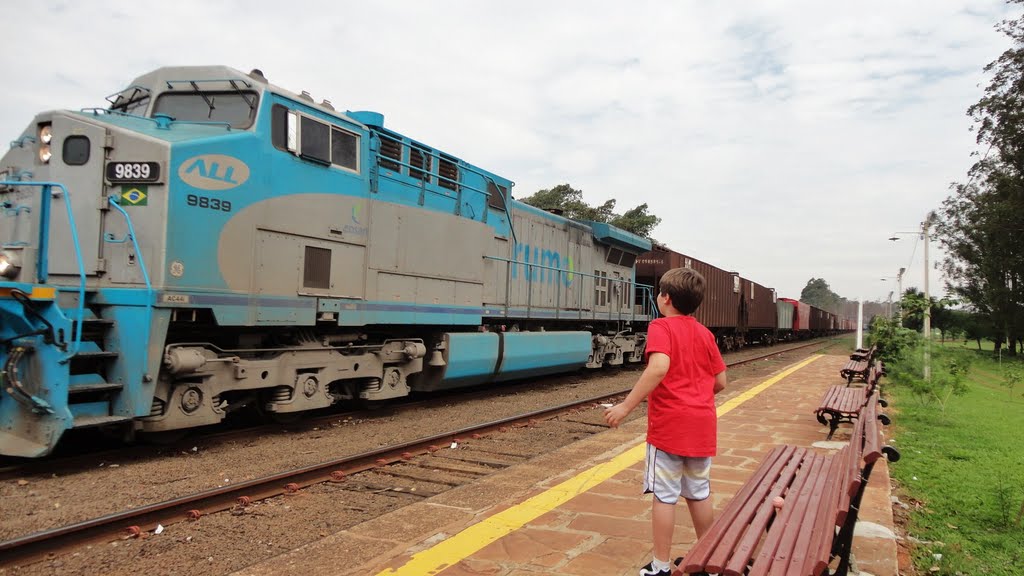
(963, 473)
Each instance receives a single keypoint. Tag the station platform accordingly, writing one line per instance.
(579, 510)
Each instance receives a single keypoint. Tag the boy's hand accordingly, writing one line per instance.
(616, 414)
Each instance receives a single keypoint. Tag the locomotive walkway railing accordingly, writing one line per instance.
(627, 290)
(43, 248)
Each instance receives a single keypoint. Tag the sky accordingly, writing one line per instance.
(785, 140)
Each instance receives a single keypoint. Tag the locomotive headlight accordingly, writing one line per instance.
(10, 264)
(45, 133)
(44, 153)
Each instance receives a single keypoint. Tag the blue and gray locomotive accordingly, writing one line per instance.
(211, 241)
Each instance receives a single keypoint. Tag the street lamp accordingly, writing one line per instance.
(928, 221)
(899, 289)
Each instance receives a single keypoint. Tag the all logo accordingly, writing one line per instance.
(213, 172)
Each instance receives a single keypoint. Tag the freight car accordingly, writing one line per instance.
(211, 241)
(720, 311)
(758, 311)
(738, 311)
(799, 320)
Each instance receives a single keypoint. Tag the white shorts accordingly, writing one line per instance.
(669, 476)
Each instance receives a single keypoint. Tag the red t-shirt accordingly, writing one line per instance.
(681, 416)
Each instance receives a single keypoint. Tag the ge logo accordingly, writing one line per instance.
(177, 269)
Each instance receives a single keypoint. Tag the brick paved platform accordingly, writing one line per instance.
(578, 510)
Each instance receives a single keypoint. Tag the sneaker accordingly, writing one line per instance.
(649, 570)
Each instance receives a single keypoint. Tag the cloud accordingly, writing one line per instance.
(785, 140)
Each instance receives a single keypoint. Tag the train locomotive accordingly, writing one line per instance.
(210, 241)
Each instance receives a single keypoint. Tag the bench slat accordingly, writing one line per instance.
(777, 549)
(818, 523)
(771, 465)
(821, 546)
(765, 512)
(747, 526)
(872, 431)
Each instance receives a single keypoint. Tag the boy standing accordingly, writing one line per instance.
(684, 372)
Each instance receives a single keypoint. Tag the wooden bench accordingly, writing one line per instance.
(859, 365)
(864, 353)
(855, 369)
(840, 404)
(814, 526)
(875, 377)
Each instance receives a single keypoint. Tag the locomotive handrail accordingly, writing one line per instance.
(135, 242)
(529, 276)
(43, 255)
(113, 201)
(159, 122)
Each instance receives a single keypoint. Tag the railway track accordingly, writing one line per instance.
(141, 520)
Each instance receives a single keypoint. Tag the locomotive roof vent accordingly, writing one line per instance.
(327, 104)
(306, 96)
(375, 119)
(257, 75)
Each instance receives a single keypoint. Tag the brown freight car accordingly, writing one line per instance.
(720, 311)
(821, 322)
(758, 312)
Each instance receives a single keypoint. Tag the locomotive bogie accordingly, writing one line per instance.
(201, 383)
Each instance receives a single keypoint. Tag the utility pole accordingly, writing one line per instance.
(860, 323)
(927, 302)
(899, 293)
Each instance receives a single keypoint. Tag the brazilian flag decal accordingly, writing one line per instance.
(135, 195)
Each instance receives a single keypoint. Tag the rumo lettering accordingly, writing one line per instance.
(550, 265)
(213, 172)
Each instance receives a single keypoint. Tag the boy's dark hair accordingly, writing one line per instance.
(684, 287)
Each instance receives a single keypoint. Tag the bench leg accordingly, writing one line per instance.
(832, 427)
(830, 419)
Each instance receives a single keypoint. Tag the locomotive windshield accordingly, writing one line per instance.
(235, 108)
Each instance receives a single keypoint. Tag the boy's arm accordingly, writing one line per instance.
(720, 381)
(657, 366)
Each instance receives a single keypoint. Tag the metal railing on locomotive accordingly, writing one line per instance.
(49, 191)
(43, 245)
(627, 291)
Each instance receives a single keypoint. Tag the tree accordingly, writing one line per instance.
(568, 201)
(944, 317)
(983, 219)
(977, 327)
(817, 293)
(912, 307)
(637, 221)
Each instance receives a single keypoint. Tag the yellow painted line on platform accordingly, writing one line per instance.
(462, 545)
